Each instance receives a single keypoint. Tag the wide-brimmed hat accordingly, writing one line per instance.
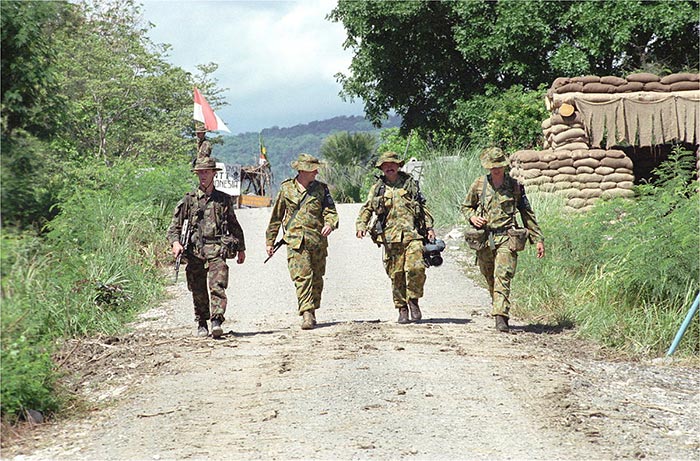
(306, 162)
(205, 164)
(200, 128)
(493, 157)
(389, 157)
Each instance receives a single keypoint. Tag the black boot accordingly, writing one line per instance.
(216, 330)
(502, 323)
(415, 310)
(403, 315)
(202, 329)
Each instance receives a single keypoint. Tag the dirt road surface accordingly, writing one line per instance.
(360, 386)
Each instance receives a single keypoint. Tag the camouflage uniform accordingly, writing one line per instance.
(210, 217)
(203, 149)
(306, 247)
(400, 202)
(496, 261)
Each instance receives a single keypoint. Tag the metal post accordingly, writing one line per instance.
(693, 310)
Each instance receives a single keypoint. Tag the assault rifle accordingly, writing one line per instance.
(274, 249)
(184, 241)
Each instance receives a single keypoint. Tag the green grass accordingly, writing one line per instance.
(624, 273)
(95, 267)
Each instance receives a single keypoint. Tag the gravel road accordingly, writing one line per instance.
(360, 386)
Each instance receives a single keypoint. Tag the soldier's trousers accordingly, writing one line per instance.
(307, 266)
(214, 273)
(404, 265)
(498, 267)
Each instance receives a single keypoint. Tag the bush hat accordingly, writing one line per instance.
(306, 162)
(207, 163)
(389, 157)
(493, 157)
(199, 128)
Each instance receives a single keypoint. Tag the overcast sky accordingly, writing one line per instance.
(277, 59)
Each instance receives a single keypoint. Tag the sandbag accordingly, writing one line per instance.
(679, 77)
(576, 202)
(657, 86)
(584, 169)
(589, 202)
(643, 77)
(571, 120)
(625, 185)
(590, 162)
(581, 153)
(623, 170)
(617, 162)
(567, 178)
(616, 193)
(572, 146)
(556, 164)
(569, 134)
(598, 153)
(619, 177)
(590, 193)
(559, 82)
(562, 154)
(531, 173)
(561, 186)
(589, 177)
(534, 165)
(562, 127)
(527, 155)
(546, 123)
(547, 187)
(598, 88)
(685, 86)
(566, 170)
(611, 80)
(629, 87)
(606, 185)
(548, 157)
(587, 79)
(613, 153)
(604, 170)
(550, 173)
(569, 88)
(568, 142)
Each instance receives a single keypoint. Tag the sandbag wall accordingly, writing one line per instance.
(582, 176)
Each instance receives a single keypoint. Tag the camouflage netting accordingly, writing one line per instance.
(641, 110)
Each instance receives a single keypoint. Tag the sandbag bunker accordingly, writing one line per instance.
(591, 115)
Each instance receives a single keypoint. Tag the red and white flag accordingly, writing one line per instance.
(204, 113)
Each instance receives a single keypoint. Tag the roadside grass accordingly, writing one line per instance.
(96, 265)
(624, 274)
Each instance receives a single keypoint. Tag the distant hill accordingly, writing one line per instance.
(285, 144)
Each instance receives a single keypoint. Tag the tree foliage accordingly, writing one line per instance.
(423, 59)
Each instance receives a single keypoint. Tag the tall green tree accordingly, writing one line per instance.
(350, 157)
(422, 59)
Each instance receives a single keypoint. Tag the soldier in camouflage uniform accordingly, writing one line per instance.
(503, 196)
(306, 212)
(398, 204)
(203, 144)
(215, 235)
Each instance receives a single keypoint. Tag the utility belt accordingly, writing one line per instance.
(478, 239)
(209, 240)
(499, 231)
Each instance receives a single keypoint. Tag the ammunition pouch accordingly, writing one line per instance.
(476, 238)
(517, 239)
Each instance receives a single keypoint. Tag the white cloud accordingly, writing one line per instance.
(265, 49)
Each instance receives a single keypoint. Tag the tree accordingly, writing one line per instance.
(423, 59)
(350, 157)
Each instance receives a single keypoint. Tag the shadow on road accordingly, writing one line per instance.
(542, 328)
(447, 320)
(252, 333)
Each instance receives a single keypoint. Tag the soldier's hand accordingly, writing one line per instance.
(177, 249)
(361, 234)
(540, 249)
(326, 231)
(270, 250)
(478, 221)
(241, 257)
(431, 235)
